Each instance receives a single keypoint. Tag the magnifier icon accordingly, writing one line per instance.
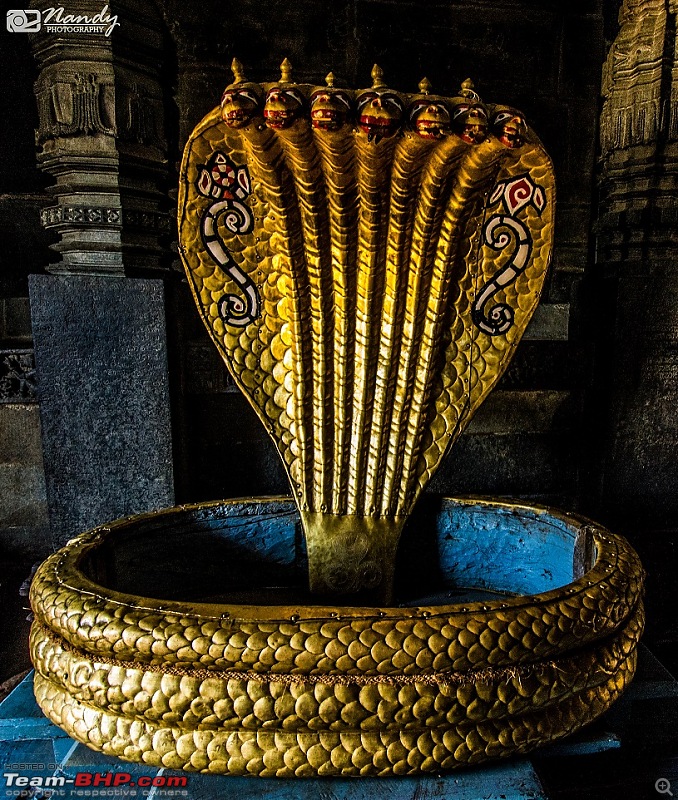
(663, 786)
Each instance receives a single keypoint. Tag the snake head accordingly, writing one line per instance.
(470, 120)
(330, 108)
(239, 104)
(284, 106)
(509, 126)
(379, 113)
(430, 118)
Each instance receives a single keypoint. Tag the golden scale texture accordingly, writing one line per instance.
(364, 362)
(280, 753)
(308, 690)
(184, 697)
(339, 271)
(348, 640)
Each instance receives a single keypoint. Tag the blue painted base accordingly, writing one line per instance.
(252, 552)
(39, 761)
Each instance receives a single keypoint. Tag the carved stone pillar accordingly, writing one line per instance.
(99, 318)
(638, 265)
(101, 137)
(76, 140)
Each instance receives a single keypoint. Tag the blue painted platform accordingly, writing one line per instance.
(609, 759)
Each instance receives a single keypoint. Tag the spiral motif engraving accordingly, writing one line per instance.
(499, 233)
(223, 180)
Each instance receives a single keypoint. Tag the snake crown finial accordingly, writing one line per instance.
(425, 86)
(468, 89)
(286, 71)
(377, 76)
(238, 71)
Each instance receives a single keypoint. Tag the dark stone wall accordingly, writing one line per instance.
(22, 186)
(103, 398)
(632, 295)
(24, 525)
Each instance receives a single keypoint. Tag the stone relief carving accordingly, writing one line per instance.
(634, 111)
(81, 106)
(98, 216)
(87, 215)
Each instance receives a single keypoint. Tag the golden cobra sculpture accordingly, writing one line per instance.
(366, 289)
(366, 262)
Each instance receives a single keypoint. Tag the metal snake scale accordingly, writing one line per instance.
(366, 263)
(310, 690)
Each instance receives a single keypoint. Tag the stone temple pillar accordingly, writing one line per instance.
(99, 315)
(637, 254)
